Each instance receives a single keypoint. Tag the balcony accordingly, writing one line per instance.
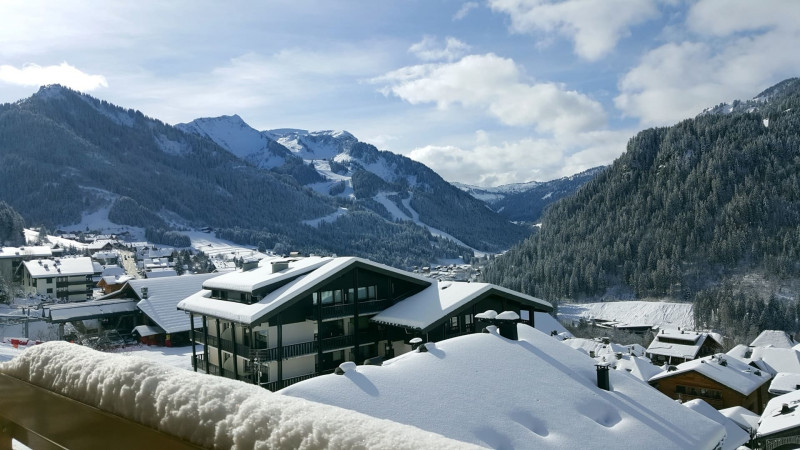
(277, 385)
(341, 310)
(224, 344)
(374, 306)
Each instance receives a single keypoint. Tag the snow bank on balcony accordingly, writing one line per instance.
(206, 410)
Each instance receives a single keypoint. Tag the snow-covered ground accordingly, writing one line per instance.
(213, 246)
(659, 314)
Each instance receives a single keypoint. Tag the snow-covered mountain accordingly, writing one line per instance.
(234, 135)
(526, 201)
(337, 164)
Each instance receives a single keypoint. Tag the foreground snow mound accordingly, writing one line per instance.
(206, 410)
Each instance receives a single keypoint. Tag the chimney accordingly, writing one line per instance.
(485, 319)
(602, 377)
(278, 266)
(415, 343)
(144, 292)
(251, 264)
(507, 324)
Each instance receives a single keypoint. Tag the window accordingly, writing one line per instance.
(49, 281)
(49, 290)
(467, 319)
(454, 323)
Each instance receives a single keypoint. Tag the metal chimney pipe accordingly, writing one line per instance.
(602, 377)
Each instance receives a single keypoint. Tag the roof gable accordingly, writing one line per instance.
(429, 308)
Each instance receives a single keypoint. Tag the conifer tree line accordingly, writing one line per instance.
(11, 226)
(684, 209)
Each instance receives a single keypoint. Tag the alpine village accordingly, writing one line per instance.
(206, 284)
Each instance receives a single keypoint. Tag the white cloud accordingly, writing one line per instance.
(679, 79)
(595, 27)
(464, 10)
(64, 74)
(725, 17)
(497, 86)
(487, 163)
(429, 49)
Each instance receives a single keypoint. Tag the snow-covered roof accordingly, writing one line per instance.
(735, 436)
(208, 411)
(746, 419)
(724, 370)
(148, 330)
(773, 420)
(784, 383)
(61, 267)
(532, 393)
(426, 308)
(638, 366)
(690, 343)
(773, 338)
(163, 296)
(772, 359)
(161, 273)
(302, 285)
(35, 251)
(251, 280)
(88, 310)
(546, 323)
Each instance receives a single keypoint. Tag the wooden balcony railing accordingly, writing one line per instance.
(42, 419)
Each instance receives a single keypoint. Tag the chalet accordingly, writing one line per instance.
(160, 322)
(292, 319)
(12, 257)
(100, 246)
(68, 279)
(676, 346)
(112, 283)
(720, 380)
(779, 427)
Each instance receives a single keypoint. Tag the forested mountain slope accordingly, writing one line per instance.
(336, 164)
(63, 153)
(685, 209)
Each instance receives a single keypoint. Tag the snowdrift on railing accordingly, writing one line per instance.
(207, 410)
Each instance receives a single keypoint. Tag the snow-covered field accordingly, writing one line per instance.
(213, 246)
(660, 314)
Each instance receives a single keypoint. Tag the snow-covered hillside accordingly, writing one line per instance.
(239, 138)
(659, 314)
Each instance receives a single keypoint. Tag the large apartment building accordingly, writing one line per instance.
(66, 279)
(292, 319)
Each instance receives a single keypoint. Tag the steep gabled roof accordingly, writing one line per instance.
(163, 296)
(429, 308)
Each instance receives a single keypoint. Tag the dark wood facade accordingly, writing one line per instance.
(690, 385)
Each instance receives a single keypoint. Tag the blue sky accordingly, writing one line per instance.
(485, 92)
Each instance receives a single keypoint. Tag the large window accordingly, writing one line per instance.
(454, 323)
